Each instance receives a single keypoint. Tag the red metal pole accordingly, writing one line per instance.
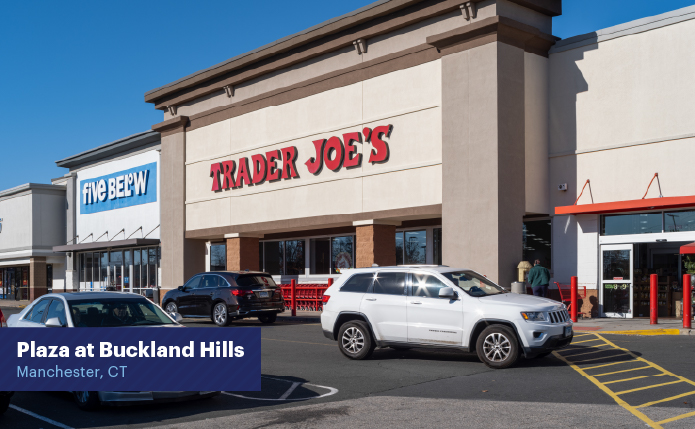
(653, 299)
(687, 304)
(293, 295)
(574, 286)
(330, 281)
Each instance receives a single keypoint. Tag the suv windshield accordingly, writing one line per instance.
(114, 312)
(473, 284)
(256, 281)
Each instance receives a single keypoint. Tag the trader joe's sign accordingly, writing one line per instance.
(333, 153)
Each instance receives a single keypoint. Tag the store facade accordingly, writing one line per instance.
(113, 216)
(403, 132)
(622, 112)
(437, 132)
(31, 223)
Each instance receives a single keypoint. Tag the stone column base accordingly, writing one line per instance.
(242, 254)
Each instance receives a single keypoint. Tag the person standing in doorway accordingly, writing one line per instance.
(538, 278)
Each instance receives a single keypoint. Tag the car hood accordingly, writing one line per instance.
(527, 302)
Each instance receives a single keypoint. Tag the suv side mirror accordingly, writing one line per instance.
(447, 292)
(54, 322)
(182, 288)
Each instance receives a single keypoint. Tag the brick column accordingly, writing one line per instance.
(376, 244)
(37, 277)
(242, 253)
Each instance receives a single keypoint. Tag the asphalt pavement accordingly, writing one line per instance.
(307, 382)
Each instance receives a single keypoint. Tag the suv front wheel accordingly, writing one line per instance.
(497, 347)
(355, 340)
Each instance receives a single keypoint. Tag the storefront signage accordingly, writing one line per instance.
(334, 153)
(117, 190)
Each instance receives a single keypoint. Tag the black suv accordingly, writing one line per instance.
(224, 296)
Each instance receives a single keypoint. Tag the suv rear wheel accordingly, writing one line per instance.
(355, 340)
(497, 347)
(219, 314)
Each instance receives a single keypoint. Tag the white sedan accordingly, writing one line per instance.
(102, 309)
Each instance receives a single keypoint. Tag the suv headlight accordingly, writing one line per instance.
(533, 316)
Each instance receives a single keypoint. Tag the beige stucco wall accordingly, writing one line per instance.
(408, 99)
(617, 94)
(536, 133)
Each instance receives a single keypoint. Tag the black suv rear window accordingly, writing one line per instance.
(256, 281)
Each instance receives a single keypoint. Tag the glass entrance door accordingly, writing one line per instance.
(616, 280)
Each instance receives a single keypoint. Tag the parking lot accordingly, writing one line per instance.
(307, 382)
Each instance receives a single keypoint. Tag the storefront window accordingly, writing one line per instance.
(342, 253)
(640, 223)
(152, 267)
(320, 255)
(127, 262)
(115, 271)
(679, 221)
(143, 269)
(104, 277)
(411, 248)
(273, 255)
(49, 278)
(294, 257)
(136, 270)
(218, 257)
(437, 243)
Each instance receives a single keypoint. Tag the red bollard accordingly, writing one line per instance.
(293, 296)
(330, 282)
(653, 299)
(687, 302)
(574, 286)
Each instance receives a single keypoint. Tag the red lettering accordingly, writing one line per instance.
(289, 156)
(315, 164)
(333, 144)
(380, 149)
(258, 162)
(243, 174)
(273, 171)
(215, 174)
(228, 168)
(354, 161)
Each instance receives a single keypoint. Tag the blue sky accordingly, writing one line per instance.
(73, 74)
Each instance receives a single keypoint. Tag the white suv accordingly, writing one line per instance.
(436, 306)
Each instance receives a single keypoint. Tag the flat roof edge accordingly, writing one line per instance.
(633, 27)
(120, 145)
(31, 187)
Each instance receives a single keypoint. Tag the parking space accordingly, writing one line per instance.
(302, 370)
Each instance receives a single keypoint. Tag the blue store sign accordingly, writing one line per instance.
(122, 189)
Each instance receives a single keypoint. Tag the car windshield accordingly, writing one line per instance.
(256, 281)
(473, 284)
(114, 312)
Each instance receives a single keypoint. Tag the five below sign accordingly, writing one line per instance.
(332, 153)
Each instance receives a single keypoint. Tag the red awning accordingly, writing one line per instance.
(688, 249)
(628, 206)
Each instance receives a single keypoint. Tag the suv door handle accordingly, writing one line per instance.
(211, 293)
(415, 302)
(370, 299)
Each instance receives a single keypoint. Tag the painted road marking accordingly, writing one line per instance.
(285, 396)
(36, 416)
(634, 359)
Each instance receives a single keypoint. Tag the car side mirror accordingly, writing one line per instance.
(54, 322)
(447, 292)
(182, 288)
(176, 316)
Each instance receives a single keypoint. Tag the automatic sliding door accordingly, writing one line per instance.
(616, 280)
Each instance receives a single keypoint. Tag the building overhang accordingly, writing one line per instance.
(688, 249)
(628, 206)
(81, 247)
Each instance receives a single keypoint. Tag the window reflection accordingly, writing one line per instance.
(294, 257)
(218, 257)
(342, 253)
(640, 223)
(679, 221)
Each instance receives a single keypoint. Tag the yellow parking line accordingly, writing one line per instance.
(625, 379)
(648, 404)
(582, 335)
(648, 387)
(599, 358)
(587, 353)
(608, 364)
(610, 393)
(673, 419)
(585, 341)
(617, 372)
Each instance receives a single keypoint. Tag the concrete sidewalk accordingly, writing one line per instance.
(636, 326)
(12, 303)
